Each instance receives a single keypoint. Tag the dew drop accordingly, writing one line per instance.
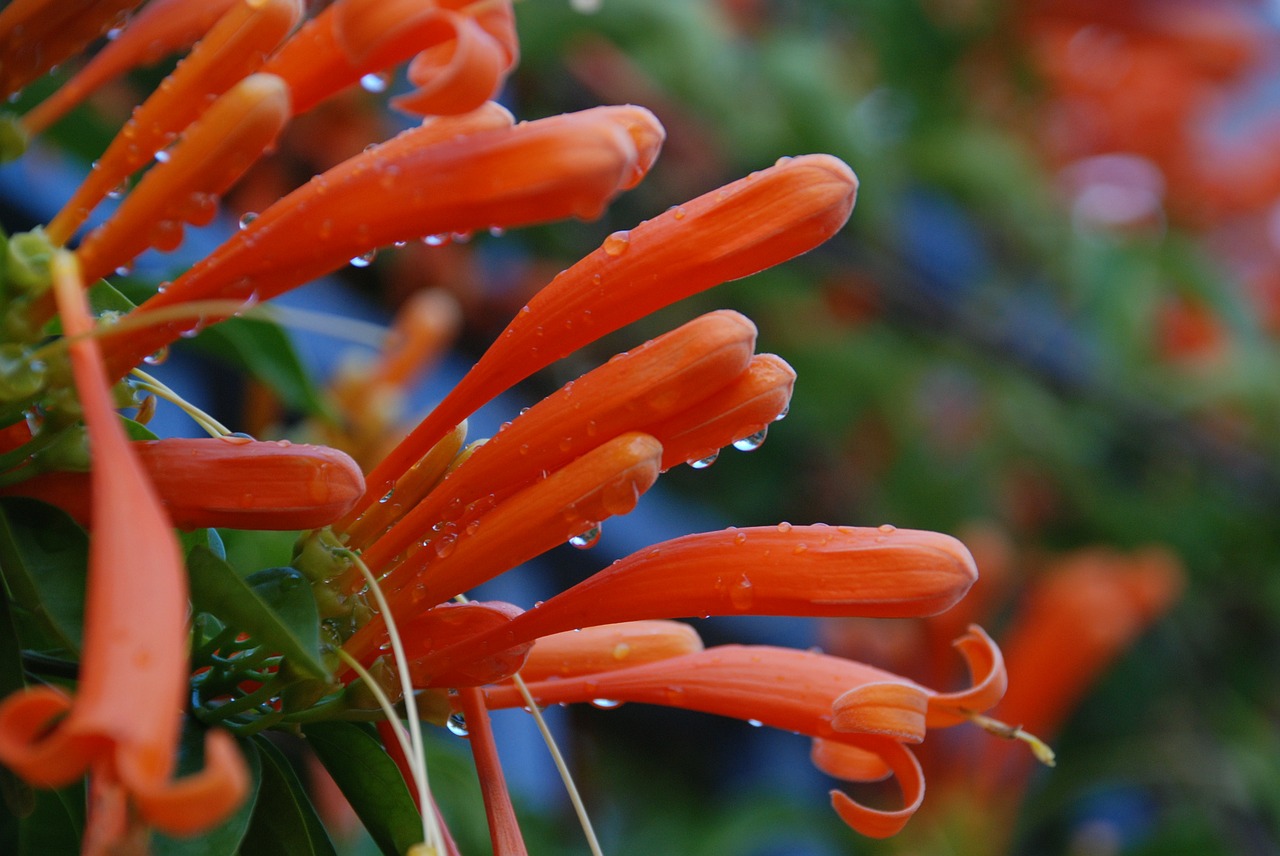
(457, 725)
(621, 651)
(678, 212)
(586, 540)
(375, 82)
(119, 190)
(617, 243)
(703, 463)
(888, 528)
(742, 594)
(496, 231)
(783, 414)
(606, 703)
(386, 497)
(445, 543)
(754, 723)
(435, 240)
(752, 441)
(158, 357)
(784, 526)
(236, 439)
(246, 218)
(162, 156)
(364, 260)
(740, 538)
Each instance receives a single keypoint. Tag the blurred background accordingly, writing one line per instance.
(1049, 329)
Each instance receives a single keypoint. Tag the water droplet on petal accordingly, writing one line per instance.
(119, 190)
(606, 703)
(435, 240)
(784, 526)
(752, 441)
(445, 543)
(742, 594)
(162, 156)
(364, 260)
(754, 723)
(586, 540)
(783, 414)
(497, 231)
(617, 243)
(457, 724)
(158, 357)
(375, 82)
(703, 463)
(246, 218)
(887, 528)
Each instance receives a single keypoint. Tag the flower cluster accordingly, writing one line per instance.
(373, 608)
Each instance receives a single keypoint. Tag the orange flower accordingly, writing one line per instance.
(744, 227)
(36, 35)
(123, 725)
(231, 481)
(462, 51)
(161, 28)
(439, 178)
(827, 698)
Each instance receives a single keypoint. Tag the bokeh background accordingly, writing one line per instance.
(1050, 329)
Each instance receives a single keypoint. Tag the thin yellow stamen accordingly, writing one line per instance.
(565, 776)
(1044, 754)
(159, 389)
(431, 833)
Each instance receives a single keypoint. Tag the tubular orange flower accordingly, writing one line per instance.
(212, 154)
(793, 691)
(464, 50)
(782, 570)
(742, 228)
(229, 481)
(234, 48)
(161, 28)
(533, 172)
(590, 650)
(123, 725)
(36, 35)
(634, 390)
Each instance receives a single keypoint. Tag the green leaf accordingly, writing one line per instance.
(284, 821)
(136, 430)
(274, 606)
(56, 824)
(44, 555)
(207, 538)
(223, 840)
(263, 350)
(371, 782)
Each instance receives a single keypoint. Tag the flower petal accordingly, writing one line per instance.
(215, 151)
(36, 35)
(233, 482)
(751, 224)
(533, 172)
(646, 385)
(877, 823)
(610, 646)
(161, 28)
(986, 667)
(235, 47)
(890, 709)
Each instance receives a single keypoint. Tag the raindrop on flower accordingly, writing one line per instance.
(363, 261)
(435, 240)
(119, 190)
(497, 231)
(703, 463)
(586, 540)
(445, 543)
(457, 724)
(617, 243)
(162, 156)
(246, 218)
(606, 703)
(752, 441)
(783, 414)
(742, 593)
(754, 723)
(375, 82)
(887, 528)
(158, 357)
(386, 497)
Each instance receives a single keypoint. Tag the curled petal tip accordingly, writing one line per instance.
(889, 709)
(877, 823)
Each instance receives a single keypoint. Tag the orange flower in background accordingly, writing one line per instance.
(386, 558)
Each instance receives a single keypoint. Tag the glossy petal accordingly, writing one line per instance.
(229, 137)
(592, 650)
(161, 28)
(124, 722)
(533, 172)
(235, 47)
(36, 35)
(644, 386)
(233, 482)
(783, 570)
(742, 228)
